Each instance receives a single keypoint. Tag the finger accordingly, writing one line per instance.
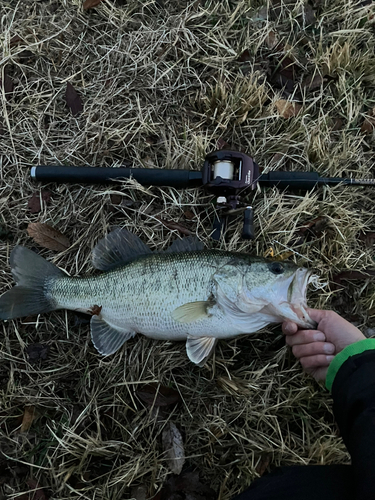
(313, 349)
(289, 328)
(305, 337)
(317, 314)
(318, 373)
(318, 361)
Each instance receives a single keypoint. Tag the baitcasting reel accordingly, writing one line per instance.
(226, 174)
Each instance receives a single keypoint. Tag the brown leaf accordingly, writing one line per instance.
(174, 447)
(158, 395)
(355, 275)
(338, 124)
(38, 493)
(28, 418)
(15, 40)
(313, 82)
(337, 279)
(315, 224)
(312, 230)
(116, 199)
(189, 214)
(222, 144)
(48, 237)
(152, 139)
(272, 39)
(368, 237)
(287, 109)
(8, 86)
(159, 496)
(175, 225)
(26, 57)
(73, 100)
(24, 496)
(34, 204)
(285, 73)
(263, 464)
(89, 4)
(36, 352)
(368, 125)
(288, 70)
(245, 56)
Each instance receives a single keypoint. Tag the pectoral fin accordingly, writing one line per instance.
(192, 311)
(105, 338)
(199, 349)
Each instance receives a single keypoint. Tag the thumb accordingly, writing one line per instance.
(316, 314)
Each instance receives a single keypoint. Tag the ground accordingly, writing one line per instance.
(160, 84)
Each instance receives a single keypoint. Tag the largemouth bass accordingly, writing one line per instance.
(185, 293)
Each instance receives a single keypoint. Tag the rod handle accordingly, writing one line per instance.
(98, 175)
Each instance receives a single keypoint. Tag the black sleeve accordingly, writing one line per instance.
(353, 392)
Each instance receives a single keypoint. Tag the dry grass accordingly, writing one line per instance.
(161, 84)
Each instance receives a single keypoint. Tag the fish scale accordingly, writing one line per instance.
(130, 296)
(185, 292)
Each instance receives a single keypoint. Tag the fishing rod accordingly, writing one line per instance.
(226, 174)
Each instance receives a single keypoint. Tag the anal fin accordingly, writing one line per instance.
(105, 338)
(199, 349)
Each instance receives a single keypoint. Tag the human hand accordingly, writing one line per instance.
(315, 349)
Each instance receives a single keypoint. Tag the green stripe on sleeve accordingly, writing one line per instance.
(341, 357)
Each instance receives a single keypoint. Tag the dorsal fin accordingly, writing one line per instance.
(188, 244)
(117, 248)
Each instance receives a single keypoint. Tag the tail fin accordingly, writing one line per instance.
(32, 273)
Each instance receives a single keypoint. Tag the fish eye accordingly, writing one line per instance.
(276, 268)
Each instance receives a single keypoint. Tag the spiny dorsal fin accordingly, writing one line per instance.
(105, 338)
(199, 349)
(188, 244)
(117, 248)
(192, 311)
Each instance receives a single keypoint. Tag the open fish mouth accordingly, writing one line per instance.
(296, 298)
(298, 285)
(285, 299)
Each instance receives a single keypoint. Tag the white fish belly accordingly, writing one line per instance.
(151, 315)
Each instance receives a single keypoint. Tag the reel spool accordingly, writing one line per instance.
(224, 169)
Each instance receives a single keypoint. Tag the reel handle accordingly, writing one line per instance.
(248, 232)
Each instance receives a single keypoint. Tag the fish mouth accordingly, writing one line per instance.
(296, 298)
